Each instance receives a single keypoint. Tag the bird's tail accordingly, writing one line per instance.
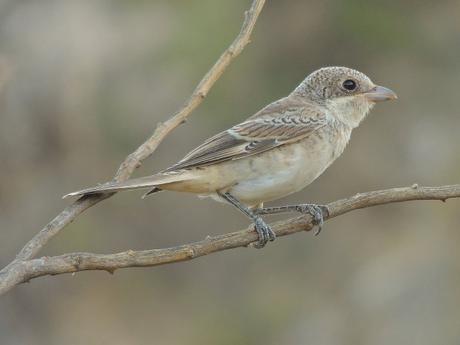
(153, 182)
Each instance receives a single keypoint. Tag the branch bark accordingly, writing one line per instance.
(135, 159)
(75, 262)
(24, 267)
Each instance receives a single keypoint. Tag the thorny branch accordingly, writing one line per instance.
(8, 275)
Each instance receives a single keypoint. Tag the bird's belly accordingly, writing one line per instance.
(280, 172)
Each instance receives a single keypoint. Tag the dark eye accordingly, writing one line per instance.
(349, 85)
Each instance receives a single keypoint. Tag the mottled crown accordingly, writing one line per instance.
(328, 82)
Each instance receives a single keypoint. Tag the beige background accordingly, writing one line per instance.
(89, 80)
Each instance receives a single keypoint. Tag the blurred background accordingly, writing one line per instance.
(85, 82)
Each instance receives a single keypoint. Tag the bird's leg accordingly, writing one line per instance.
(316, 211)
(263, 230)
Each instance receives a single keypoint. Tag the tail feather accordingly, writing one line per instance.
(138, 183)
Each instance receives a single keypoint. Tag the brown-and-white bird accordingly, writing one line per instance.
(278, 151)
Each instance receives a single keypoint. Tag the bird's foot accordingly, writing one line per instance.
(264, 231)
(316, 212)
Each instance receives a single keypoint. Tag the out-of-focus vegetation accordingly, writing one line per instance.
(89, 80)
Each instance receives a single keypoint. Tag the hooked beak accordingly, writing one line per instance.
(380, 94)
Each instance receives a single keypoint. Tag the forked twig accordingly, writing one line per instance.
(135, 159)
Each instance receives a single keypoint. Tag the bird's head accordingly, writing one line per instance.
(348, 94)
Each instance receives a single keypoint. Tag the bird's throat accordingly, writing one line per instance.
(350, 110)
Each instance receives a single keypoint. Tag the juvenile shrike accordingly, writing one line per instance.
(278, 151)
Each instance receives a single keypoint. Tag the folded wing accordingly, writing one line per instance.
(256, 135)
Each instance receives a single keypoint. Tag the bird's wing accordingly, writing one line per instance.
(256, 135)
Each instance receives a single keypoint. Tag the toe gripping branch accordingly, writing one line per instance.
(264, 231)
(317, 212)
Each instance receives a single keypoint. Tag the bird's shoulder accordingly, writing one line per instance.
(290, 106)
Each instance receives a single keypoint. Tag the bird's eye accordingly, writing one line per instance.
(349, 85)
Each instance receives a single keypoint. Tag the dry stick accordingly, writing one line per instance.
(134, 160)
(74, 262)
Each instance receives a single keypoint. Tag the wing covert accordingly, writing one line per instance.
(256, 135)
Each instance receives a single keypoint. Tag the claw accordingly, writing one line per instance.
(317, 215)
(264, 231)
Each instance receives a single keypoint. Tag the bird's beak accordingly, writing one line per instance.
(380, 94)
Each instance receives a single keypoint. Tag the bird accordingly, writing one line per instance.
(277, 151)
